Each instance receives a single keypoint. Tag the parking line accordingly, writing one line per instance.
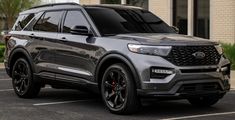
(198, 116)
(62, 102)
(5, 79)
(5, 90)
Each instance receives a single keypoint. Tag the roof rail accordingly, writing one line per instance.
(54, 4)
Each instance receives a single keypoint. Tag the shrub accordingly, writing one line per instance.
(229, 51)
(2, 49)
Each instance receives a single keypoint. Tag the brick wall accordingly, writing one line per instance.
(162, 8)
(222, 20)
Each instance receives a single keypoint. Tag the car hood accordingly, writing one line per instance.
(165, 39)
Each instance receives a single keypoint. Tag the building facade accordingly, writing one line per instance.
(210, 19)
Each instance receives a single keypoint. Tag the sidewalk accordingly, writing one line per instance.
(1, 66)
(233, 79)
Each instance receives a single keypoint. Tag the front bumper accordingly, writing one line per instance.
(185, 81)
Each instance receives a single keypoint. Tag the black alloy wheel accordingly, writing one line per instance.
(22, 80)
(118, 90)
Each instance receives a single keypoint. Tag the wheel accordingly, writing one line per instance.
(118, 90)
(22, 80)
(206, 101)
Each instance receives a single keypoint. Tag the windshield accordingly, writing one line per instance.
(110, 21)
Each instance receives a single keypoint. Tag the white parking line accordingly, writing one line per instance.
(5, 79)
(5, 90)
(198, 116)
(62, 102)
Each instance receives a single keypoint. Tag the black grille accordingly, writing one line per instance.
(183, 56)
(188, 88)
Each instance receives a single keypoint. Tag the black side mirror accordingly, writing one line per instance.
(176, 29)
(80, 30)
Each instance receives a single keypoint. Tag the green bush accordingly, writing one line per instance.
(2, 49)
(229, 51)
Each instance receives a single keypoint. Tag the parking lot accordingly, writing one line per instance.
(54, 104)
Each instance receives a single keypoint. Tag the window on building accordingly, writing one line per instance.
(48, 22)
(139, 3)
(202, 18)
(180, 15)
(110, 1)
(74, 18)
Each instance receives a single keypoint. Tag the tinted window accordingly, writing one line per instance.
(22, 21)
(118, 21)
(74, 18)
(49, 22)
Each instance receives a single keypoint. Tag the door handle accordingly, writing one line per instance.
(32, 35)
(64, 39)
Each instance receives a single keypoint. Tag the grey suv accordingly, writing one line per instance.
(124, 53)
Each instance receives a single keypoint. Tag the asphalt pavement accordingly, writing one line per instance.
(57, 104)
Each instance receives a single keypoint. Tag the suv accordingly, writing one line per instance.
(124, 53)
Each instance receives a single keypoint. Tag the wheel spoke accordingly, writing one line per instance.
(21, 86)
(115, 101)
(121, 99)
(123, 87)
(16, 73)
(109, 96)
(108, 84)
(111, 75)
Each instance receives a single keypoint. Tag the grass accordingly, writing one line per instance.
(229, 51)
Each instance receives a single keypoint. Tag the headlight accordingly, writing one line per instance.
(150, 50)
(219, 49)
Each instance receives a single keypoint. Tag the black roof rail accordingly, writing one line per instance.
(54, 4)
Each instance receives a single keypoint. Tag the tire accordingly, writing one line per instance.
(22, 80)
(206, 101)
(118, 90)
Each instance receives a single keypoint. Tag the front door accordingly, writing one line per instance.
(74, 53)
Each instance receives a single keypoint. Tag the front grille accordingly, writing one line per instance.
(183, 56)
(190, 88)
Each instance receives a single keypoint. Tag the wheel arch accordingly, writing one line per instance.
(112, 58)
(19, 52)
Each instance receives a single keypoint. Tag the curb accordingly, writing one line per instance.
(2, 66)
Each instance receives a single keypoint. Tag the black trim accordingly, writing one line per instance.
(123, 58)
(21, 50)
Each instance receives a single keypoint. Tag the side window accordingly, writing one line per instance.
(22, 21)
(48, 22)
(74, 18)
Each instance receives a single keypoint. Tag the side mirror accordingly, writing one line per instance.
(80, 30)
(176, 29)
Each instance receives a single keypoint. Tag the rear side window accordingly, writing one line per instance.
(74, 18)
(49, 22)
(22, 21)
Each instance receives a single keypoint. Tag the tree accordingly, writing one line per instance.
(11, 8)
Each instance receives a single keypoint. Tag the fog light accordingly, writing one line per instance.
(161, 73)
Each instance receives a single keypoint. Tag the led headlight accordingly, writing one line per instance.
(219, 49)
(150, 50)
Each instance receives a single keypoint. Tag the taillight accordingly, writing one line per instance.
(6, 38)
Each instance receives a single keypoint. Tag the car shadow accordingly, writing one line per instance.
(150, 108)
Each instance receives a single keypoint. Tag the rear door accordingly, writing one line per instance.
(44, 35)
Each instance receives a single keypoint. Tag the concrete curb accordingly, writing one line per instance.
(232, 79)
(2, 66)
